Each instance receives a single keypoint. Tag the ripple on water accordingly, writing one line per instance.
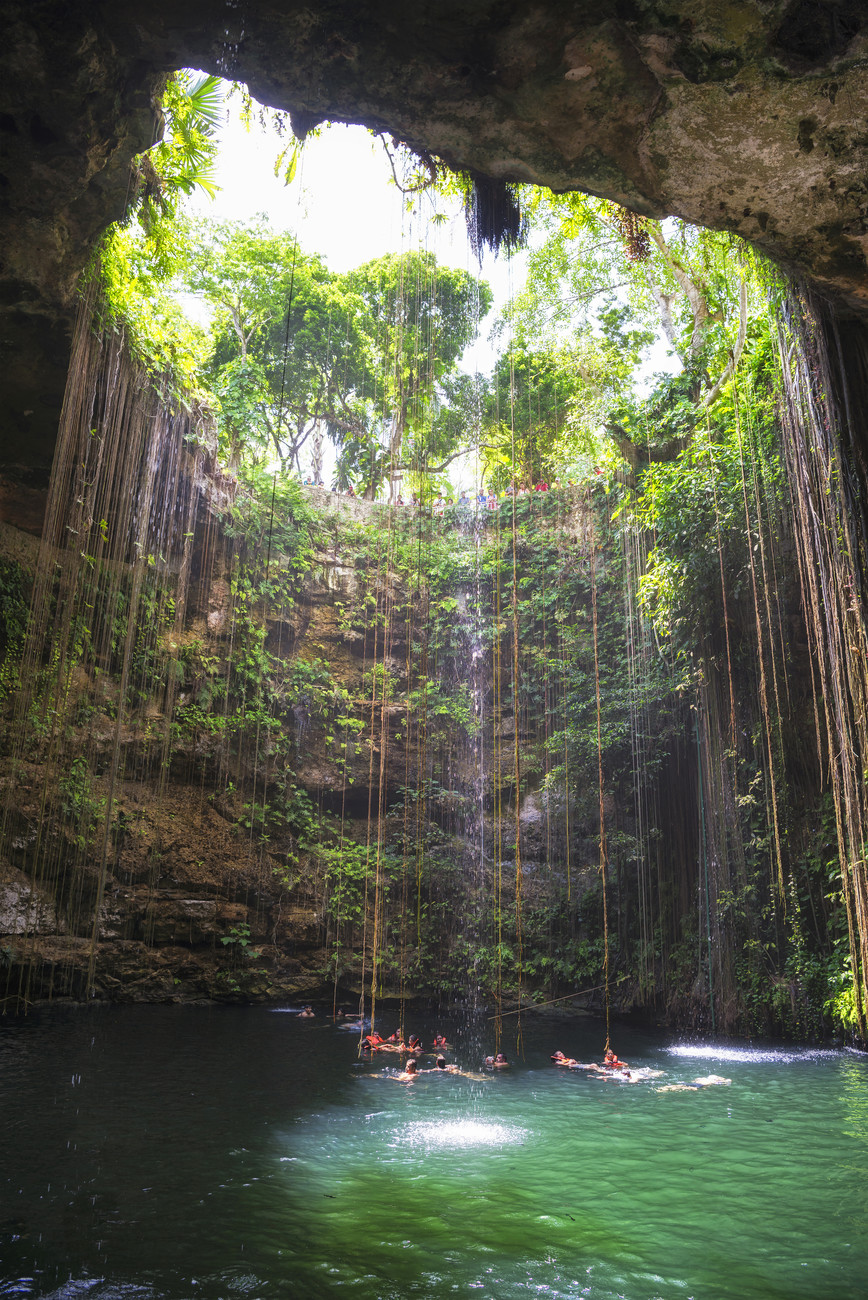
(462, 1133)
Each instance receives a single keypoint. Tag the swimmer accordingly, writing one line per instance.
(632, 1076)
(307, 1014)
(697, 1085)
(559, 1059)
(496, 1062)
(442, 1068)
(611, 1062)
(409, 1073)
(414, 1043)
(440, 1042)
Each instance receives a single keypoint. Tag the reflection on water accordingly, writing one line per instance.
(759, 1055)
(169, 1153)
(462, 1133)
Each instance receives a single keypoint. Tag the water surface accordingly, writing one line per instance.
(215, 1152)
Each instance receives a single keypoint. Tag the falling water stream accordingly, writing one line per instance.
(218, 1151)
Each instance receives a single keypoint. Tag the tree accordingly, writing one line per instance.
(694, 286)
(547, 405)
(182, 160)
(419, 317)
(289, 354)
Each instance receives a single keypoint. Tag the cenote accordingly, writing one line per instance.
(438, 595)
(182, 1152)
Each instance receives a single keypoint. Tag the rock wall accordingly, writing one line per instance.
(150, 853)
(194, 903)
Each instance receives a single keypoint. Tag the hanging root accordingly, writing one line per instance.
(633, 231)
(493, 215)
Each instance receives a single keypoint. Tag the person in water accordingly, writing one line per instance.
(409, 1073)
(443, 1068)
(307, 1014)
(611, 1062)
(414, 1043)
(496, 1062)
(704, 1081)
(559, 1059)
(440, 1042)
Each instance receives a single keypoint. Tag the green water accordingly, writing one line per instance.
(219, 1152)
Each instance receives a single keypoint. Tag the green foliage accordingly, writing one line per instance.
(289, 351)
(418, 318)
(183, 160)
(81, 806)
(238, 941)
(295, 353)
(14, 611)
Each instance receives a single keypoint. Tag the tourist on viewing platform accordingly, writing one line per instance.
(350, 492)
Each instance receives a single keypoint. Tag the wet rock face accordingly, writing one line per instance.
(741, 114)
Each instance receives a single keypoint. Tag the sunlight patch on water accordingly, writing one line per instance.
(751, 1056)
(462, 1133)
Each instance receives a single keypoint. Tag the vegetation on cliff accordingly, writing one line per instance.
(556, 742)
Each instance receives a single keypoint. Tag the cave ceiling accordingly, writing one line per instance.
(749, 116)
